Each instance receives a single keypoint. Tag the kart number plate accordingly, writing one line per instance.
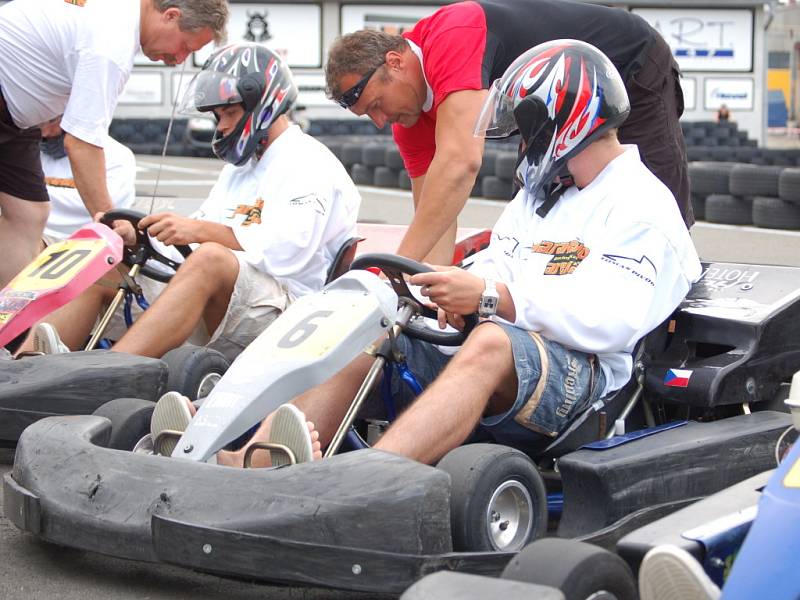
(792, 479)
(57, 265)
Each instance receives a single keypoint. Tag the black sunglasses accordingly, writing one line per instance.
(351, 96)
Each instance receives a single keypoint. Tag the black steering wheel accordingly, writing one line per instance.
(143, 250)
(394, 267)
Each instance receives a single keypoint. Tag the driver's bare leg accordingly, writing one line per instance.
(480, 379)
(201, 289)
(21, 226)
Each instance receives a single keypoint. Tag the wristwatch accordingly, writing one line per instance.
(489, 299)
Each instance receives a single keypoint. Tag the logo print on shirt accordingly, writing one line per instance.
(641, 267)
(566, 256)
(252, 212)
(76, 2)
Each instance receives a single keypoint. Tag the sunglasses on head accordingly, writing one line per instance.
(351, 96)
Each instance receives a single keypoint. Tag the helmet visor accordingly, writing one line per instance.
(207, 90)
(497, 115)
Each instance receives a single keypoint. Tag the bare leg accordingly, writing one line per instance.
(21, 226)
(201, 289)
(482, 375)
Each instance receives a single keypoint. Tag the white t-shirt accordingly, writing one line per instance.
(606, 265)
(67, 210)
(291, 211)
(64, 57)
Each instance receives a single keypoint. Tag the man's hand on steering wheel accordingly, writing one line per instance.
(171, 229)
(122, 228)
(455, 292)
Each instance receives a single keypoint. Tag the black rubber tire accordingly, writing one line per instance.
(130, 421)
(487, 166)
(505, 164)
(362, 174)
(789, 185)
(728, 209)
(403, 180)
(494, 187)
(476, 472)
(775, 213)
(577, 569)
(189, 365)
(699, 206)
(373, 155)
(752, 180)
(393, 158)
(385, 177)
(710, 177)
(351, 153)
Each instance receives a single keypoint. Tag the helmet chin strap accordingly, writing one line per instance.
(166, 139)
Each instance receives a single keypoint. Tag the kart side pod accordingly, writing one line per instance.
(316, 337)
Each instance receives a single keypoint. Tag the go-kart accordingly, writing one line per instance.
(80, 383)
(368, 520)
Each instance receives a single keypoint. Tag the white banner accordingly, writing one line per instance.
(705, 39)
(143, 88)
(689, 87)
(294, 31)
(384, 17)
(736, 94)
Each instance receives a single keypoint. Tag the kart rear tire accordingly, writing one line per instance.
(489, 479)
(579, 570)
(194, 370)
(130, 421)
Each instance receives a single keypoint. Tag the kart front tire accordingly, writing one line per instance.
(130, 421)
(578, 569)
(498, 500)
(194, 370)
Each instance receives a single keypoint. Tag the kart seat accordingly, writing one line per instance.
(594, 422)
(341, 262)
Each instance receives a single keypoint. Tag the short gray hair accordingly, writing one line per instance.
(358, 52)
(199, 14)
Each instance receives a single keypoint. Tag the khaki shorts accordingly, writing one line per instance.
(257, 300)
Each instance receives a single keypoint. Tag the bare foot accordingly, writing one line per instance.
(316, 447)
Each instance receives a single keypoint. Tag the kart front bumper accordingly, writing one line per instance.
(363, 520)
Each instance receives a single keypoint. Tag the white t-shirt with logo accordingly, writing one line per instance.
(291, 211)
(608, 263)
(67, 210)
(70, 57)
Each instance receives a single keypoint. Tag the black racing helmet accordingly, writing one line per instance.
(247, 74)
(561, 96)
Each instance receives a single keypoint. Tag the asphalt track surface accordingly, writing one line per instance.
(31, 569)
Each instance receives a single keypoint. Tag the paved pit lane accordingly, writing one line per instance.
(30, 569)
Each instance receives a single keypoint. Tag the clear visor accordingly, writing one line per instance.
(497, 115)
(209, 89)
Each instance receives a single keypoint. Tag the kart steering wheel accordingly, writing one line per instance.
(143, 250)
(394, 267)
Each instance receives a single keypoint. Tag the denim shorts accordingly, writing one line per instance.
(554, 385)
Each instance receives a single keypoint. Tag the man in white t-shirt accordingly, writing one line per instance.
(267, 233)
(73, 58)
(577, 271)
(67, 211)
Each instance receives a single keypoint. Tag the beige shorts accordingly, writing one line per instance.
(257, 300)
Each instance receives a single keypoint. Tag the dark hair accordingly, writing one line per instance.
(358, 52)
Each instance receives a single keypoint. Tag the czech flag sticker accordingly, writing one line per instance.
(677, 377)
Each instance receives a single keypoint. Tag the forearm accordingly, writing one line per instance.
(88, 164)
(444, 193)
(207, 231)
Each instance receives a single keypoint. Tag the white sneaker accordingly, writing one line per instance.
(289, 428)
(46, 340)
(670, 573)
(172, 413)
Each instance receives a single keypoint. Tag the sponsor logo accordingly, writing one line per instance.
(643, 267)
(566, 256)
(570, 387)
(76, 2)
(677, 378)
(252, 213)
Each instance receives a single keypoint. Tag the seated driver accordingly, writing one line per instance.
(579, 269)
(267, 233)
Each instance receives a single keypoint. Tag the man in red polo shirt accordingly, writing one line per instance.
(430, 84)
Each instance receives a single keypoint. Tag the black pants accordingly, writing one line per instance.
(20, 163)
(656, 105)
